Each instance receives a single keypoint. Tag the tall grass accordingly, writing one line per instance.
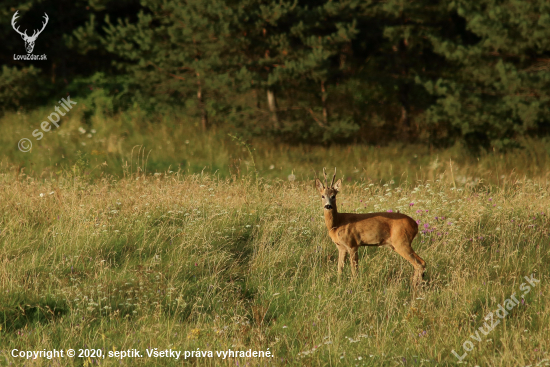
(100, 146)
(187, 262)
(120, 233)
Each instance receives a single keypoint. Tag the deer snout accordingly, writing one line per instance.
(328, 203)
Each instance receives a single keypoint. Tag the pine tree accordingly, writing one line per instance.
(500, 89)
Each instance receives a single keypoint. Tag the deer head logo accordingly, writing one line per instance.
(29, 40)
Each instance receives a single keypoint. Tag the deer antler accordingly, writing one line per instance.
(325, 174)
(13, 25)
(333, 177)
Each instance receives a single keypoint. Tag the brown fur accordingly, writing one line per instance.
(349, 231)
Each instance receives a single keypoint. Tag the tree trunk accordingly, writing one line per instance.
(324, 101)
(272, 102)
(202, 107)
(404, 120)
(404, 87)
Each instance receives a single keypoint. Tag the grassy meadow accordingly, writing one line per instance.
(198, 242)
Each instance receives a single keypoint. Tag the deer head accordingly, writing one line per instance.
(29, 40)
(328, 193)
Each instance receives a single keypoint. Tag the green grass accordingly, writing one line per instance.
(191, 259)
(100, 146)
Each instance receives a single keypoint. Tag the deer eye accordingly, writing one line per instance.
(323, 196)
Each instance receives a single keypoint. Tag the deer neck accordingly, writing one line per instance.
(331, 218)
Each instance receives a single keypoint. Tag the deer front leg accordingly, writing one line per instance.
(341, 258)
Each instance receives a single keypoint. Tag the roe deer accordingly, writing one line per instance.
(349, 230)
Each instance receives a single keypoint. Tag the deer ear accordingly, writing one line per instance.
(319, 186)
(338, 185)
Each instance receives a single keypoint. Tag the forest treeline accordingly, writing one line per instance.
(317, 71)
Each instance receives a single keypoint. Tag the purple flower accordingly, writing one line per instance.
(426, 210)
(390, 211)
(490, 199)
(436, 218)
(522, 301)
(418, 222)
(411, 204)
(426, 225)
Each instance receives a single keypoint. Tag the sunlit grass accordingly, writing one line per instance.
(187, 262)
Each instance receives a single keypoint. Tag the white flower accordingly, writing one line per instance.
(272, 166)
(41, 195)
(81, 130)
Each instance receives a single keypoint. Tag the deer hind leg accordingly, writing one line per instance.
(405, 250)
(354, 259)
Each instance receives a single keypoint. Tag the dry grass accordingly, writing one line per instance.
(187, 262)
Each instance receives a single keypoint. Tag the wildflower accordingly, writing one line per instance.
(390, 211)
(291, 177)
(272, 166)
(426, 225)
(411, 204)
(81, 130)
